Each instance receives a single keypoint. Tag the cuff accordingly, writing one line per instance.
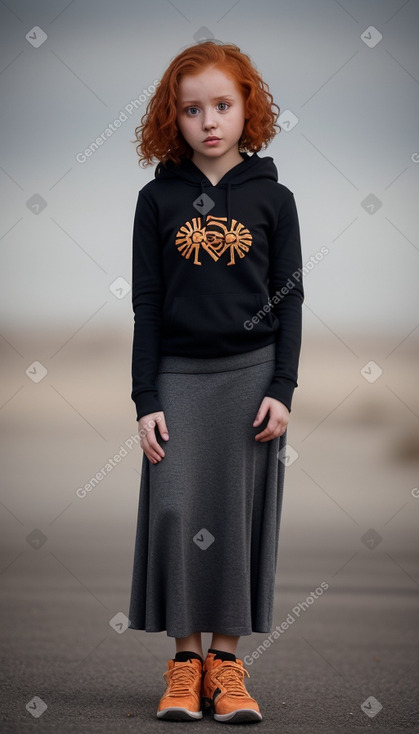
(282, 390)
(146, 402)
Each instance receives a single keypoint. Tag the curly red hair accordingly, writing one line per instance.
(158, 135)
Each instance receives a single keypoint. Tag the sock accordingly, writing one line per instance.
(184, 655)
(222, 655)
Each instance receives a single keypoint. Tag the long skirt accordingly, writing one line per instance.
(209, 512)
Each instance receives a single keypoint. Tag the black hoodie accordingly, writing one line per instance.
(216, 270)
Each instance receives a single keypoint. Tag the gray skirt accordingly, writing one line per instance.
(209, 512)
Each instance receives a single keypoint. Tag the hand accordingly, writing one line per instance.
(149, 443)
(278, 419)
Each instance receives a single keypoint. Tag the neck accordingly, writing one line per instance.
(215, 169)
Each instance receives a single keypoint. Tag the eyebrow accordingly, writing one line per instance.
(219, 96)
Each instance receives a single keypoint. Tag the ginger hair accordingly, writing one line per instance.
(158, 136)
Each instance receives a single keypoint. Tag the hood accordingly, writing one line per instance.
(252, 167)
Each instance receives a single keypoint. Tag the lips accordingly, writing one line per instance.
(212, 138)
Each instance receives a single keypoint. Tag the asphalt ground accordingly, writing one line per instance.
(337, 660)
(346, 661)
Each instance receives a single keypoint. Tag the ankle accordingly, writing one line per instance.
(184, 655)
(220, 654)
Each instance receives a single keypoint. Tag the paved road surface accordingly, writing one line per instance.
(350, 520)
(356, 641)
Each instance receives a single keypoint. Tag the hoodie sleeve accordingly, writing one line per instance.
(147, 300)
(287, 295)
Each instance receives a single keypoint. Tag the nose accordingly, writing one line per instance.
(208, 119)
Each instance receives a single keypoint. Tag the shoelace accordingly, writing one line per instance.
(180, 679)
(232, 674)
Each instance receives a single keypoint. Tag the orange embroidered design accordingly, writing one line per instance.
(214, 238)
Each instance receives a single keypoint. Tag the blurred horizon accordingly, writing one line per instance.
(66, 229)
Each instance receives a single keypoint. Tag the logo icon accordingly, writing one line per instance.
(203, 34)
(36, 36)
(36, 204)
(36, 371)
(36, 706)
(287, 455)
(371, 204)
(371, 706)
(288, 120)
(119, 622)
(203, 203)
(36, 539)
(371, 36)
(120, 287)
(371, 539)
(203, 539)
(371, 371)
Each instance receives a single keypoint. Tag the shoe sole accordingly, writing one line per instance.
(239, 716)
(234, 717)
(177, 713)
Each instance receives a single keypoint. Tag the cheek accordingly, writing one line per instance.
(179, 123)
(184, 126)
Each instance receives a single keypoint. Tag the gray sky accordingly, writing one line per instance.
(357, 107)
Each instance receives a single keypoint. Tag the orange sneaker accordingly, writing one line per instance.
(223, 689)
(181, 700)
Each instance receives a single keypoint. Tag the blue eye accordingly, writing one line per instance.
(193, 111)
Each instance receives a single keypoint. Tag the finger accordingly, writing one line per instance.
(155, 451)
(155, 460)
(260, 415)
(271, 431)
(270, 437)
(264, 435)
(164, 433)
(153, 456)
(151, 446)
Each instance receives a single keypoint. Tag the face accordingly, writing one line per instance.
(210, 105)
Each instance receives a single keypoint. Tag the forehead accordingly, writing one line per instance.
(211, 82)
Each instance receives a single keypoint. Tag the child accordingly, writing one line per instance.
(217, 297)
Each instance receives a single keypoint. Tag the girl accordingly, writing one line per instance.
(217, 297)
